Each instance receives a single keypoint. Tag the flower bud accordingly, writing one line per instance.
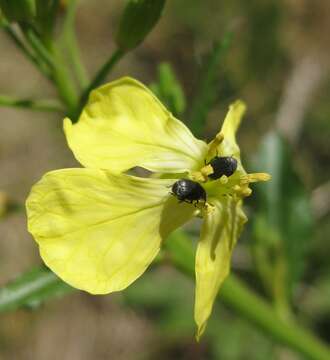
(18, 10)
(138, 19)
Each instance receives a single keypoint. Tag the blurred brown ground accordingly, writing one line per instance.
(81, 326)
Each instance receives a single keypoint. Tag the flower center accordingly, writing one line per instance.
(234, 181)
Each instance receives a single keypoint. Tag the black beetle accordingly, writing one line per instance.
(188, 191)
(222, 165)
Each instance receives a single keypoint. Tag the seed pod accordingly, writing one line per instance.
(138, 19)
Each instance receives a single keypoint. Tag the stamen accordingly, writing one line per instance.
(214, 144)
(243, 190)
(246, 192)
(197, 176)
(255, 177)
(204, 209)
(237, 188)
(223, 180)
(208, 208)
(202, 175)
(207, 170)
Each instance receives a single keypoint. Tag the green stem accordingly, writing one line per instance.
(64, 83)
(100, 76)
(71, 44)
(53, 59)
(251, 306)
(280, 292)
(48, 62)
(39, 105)
(27, 52)
(38, 46)
(248, 304)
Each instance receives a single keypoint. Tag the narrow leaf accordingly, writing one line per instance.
(31, 289)
(283, 223)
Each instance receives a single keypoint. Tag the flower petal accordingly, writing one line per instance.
(220, 231)
(124, 125)
(232, 121)
(224, 143)
(98, 231)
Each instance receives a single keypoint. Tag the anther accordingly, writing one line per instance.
(254, 177)
(214, 144)
(223, 180)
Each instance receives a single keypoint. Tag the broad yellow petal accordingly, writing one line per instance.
(220, 231)
(98, 231)
(229, 128)
(124, 125)
(224, 143)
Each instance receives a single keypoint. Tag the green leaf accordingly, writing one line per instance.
(31, 289)
(283, 222)
(168, 89)
(206, 93)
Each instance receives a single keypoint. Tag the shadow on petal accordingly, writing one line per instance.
(174, 215)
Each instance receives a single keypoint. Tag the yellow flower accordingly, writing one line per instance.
(99, 228)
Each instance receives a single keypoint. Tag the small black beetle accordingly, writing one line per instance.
(222, 165)
(188, 191)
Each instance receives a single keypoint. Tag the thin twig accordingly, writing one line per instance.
(71, 44)
(26, 51)
(60, 75)
(38, 105)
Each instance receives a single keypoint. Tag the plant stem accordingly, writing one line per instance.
(70, 41)
(246, 303)
(100, 76)
(38, 46)
(27, 52)
(39, 105)
(251, 306)
(52, 57)
(48, 62)
(64, 83)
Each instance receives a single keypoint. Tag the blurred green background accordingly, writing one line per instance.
(272, 54)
